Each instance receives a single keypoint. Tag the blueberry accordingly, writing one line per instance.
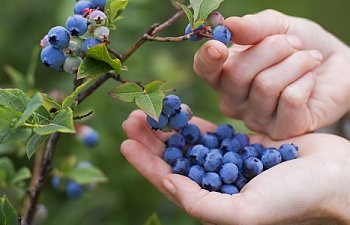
(171, 154)
(188, 110)
(259, 148)
(212, 162)
(209, 140)
(248, 151)
(171, 104)
(288, 151)
(175, 140)
(271, 157)
(89, 43)
(71, 64)
(181, 166)
(73, 48)
(198, 154)
(230, 144)
(196, 173)
(194, 37)
(97, 18)
(101, 33)
(241, 181)
(222, 34)
(58, 37)
(73, 189)
(215, 19)
(52, 57)
(77, 25)
(179, 120)
(162, 122)
(216, 150)
(242, 139)
(55, 181)
(191, 133)
(229, 173)
(252, 166)
(229, 189)
(100, 4)
(211, 182)
(80, 6)
(233, 157)
(224, 131)
(90, 137)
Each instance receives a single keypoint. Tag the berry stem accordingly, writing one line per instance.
(168, 39)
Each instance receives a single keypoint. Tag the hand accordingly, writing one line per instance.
(284, 76)
(312, 189)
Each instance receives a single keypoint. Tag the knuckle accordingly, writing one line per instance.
(265, 86)
(278, 44)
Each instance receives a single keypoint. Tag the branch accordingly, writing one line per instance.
(168, 39)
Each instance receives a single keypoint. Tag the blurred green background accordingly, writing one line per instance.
(128, 198)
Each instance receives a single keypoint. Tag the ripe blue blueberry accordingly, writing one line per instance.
(271, 157)
(171, 154)
(90, 137)
(162, 122)
(89, 43)
(209, 140)
(58, 37)
(233, 157)
(79, 7)
(171, 104)
(188, 110)
(229, 173)
(71, 64)
(100, 4)
(252, 166)
(77, 25)
(222, 34)
(241, 181)
(55, 181)
(259, 148)
(176, 140)
(97, 18)
(229, 189)
(179, 120)
(288, 151)
(242, 139)
(191, 133)
(52, 57)
(248, 151)
(211, 181)
(224, 131)
(212, 162)
(194, 37)
(73, 189)
(198, 154)
(216, 150)
(181, 166)
(230, 144)
(196, 173)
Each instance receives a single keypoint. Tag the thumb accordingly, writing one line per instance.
(251, 29)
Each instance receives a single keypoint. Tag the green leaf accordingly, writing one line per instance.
(10, 135)
(49, 103)
(34, 144)
(188, 13)
(196, 5)
(68, 102)
(153, 220)
(14, 98)
(32, 67)
(117, 7)
(207, 7)
(100, 53)
(151, 103)
(21, 175)
(92, 68)
(8, 117)
(7, 170)
(62, 122)
(8, 214)
(17, 78)
(127, 92)
(32, 106)
(87, 175)
(155, 86)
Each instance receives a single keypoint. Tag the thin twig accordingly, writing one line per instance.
(168, 39)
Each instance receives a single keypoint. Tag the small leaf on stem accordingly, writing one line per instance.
(127, 92)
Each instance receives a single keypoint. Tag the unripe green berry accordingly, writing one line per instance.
(101, 33)
(71, 64)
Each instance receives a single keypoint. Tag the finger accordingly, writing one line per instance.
(251, 29)
(209, 60)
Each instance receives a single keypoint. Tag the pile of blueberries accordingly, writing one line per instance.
(223, 160)
(64, 48)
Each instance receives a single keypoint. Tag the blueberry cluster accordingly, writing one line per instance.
(214, 26)
(65, 47)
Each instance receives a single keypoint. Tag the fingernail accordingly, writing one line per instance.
(294, 41)
(169, 186)
(213, 53)
(316, 54)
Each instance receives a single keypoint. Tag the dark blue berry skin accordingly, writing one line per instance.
(259, 149)
(196, 173)
(162, 122)
(191, 133)
(89, 43)
(181, 166)
(233, 157)
(171, 154)
(270, 158)
(288, 152)
(171, 104)
(175, 140)
(229, 173)
(211, 182)
(198, 154)
(252, 167)
(222, 34)
(80, 6)
(242, 139)
(209, 140)
(98, 4)
(58, 37)
(91, 138)
(229, 189)
(241, 181)
(224, 131)
(212, 162)
(230, 144)
(52, 58)
(216, 150)
(55, 181)
(77, 25)
(179, 120)
(73, 189)
(194, 37)
(248, 151)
